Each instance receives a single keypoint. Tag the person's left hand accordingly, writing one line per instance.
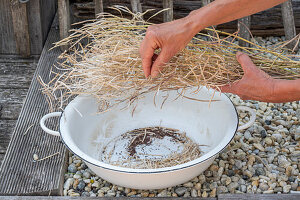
(254, 85)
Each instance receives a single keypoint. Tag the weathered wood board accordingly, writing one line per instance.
(7, 44)
(220, 197)
(98, 6)
(64, 20)
(16, 75)
(136, 6)
(6, 128)
(244, 30)
(15, 78)
(289, 23)
(20, 26)
(168, 15)
(39, 16)
(264, 23)
(19, 174)
(259, 196)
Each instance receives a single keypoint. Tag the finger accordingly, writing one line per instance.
(245, 62)
(147, 52)
(161, 60)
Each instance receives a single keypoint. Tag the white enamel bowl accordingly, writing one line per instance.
(81, 129)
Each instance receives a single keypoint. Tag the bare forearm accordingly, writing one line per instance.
(286, 91)
(221, 11)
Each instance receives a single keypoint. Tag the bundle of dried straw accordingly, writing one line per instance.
(103, 60)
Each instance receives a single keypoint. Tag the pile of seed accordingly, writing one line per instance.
(185, 149)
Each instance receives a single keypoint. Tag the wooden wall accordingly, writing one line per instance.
(40, 14)
(265, 23)
(7, 41)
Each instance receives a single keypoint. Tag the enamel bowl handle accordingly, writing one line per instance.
(47, 116)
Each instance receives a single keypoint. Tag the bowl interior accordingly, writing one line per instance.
(207, 123)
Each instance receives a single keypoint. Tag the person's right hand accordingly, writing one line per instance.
(170, 37)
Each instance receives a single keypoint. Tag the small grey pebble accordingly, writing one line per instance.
(278, 137)
(263, 134)
(270, 149)
(85, 194)
(298, 113)
(231, 173)
(268, 122)
(194, 193)
(232, 186)
(291, 179)
(72, 168)
(256, 151)
(283, 162)
(260, 171)
(84, 166)
(222, 189)
(107, 184)
(87, 174)
(238, 164)
(81, 185)
(243, 188)
(112, 194)
(92, 194)
(277, 189)
(247, 135)
(180, 191)
(263, 186)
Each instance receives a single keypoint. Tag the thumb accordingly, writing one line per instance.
(160, 61)
(246, 63)
(230, 88)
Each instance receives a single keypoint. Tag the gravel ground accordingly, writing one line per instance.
(261, 159)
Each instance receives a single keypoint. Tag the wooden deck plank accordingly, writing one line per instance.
(220, 197)
(15, 77)
(258, 196)
(12, 96)
(10, 111)
(96, 198)
(19, 174)
(11, 58)
(6, 129)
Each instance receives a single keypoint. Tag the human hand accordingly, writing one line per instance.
(254, 85)
(170, 37)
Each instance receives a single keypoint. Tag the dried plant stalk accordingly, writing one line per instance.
(103, 61)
